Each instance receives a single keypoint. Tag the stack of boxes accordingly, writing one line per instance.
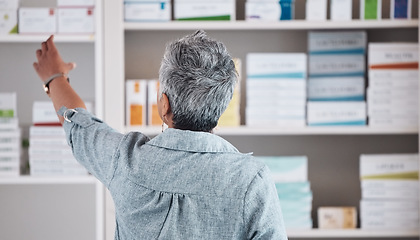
(269, 10)
(141, 103)
(203, 10)
(70, 17)
(336, 85)
(147, 10)
(290, 174)
(8, 16)
(10, 136)
(49, 152)
(393, 96)
(276, 89)
(390, 191)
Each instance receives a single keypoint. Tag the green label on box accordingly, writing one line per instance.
(6, 113)
(371, 9)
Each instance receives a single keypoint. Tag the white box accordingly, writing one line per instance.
(200, 10)
(390, 193)
(43, 113)
(276, 65)
(147, 11)
(393, 55)
(336, 113)
(389, 224)
(287, 168)
(76, 20)
(263, 122)
(136, 102)
(386, 166)
(38, 131)
(37, 20)
(262, 11)
(345, 65)
(75, 3)
(336, 89)
(391, 78)
(400, 9)
(8, 21)
(269, 112)
(9, 4)
(341, 10)
(337, 42)
(382, 122)
(8, 105)
(316, 10)
(370, 9)
(393, 93)
(48, 141)
(337, 217)
(389, 205)
(281, 83)
(389, 183)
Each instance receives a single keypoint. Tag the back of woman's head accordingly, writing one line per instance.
(198, 76)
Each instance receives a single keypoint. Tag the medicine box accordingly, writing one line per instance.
(76, 20)
(269, 10)
(334, 65)
(349, 113)
(370, 9)
(44, 114)
(8, 21)
(75, 3)
(231, 116)
(341, 10)
(8, 107)
(37, 20)
(152, 108)
(316, 10)
(389, 166)
(138, 11)
(9, 4)
(204, 10)
(400, 9)
(336, 89)
(136, 100)
(337, 217)
(276, 65)
(287, 168)
(393, 56)
(337, 42)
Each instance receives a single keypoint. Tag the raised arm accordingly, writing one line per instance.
(50, 66)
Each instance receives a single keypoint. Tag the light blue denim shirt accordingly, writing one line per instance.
(179, 185)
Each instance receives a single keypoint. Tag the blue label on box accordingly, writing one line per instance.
(401, 9)
(287, 8)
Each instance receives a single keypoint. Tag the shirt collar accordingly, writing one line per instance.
(192, 141)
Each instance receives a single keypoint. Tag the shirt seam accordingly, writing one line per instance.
(258, 174)
(180, 193)
(116, 155)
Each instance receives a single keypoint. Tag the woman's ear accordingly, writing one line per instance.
(166, 107)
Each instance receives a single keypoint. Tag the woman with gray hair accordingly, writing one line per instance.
(186, 183)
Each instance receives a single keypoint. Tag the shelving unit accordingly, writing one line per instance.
(62, 207)
(333, 152)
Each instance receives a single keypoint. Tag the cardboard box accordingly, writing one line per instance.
(37, 20)
(336, 113)
(8, 21)
(393, 56)
(382, 122)
(337, 217)
(341, 10)
(370, 9)
(8, 106)
(9, 4)
(287, 168)
(345, 65)
(231, 116)
(400, 9)
(147, 11)
(388, 205)
(205, 10)
(276, 65)
(316, 10)
(336, 89)
(75, 3)
(337, 42)
(76, 20)
(389, 166)
(152, 108)
(136, 102)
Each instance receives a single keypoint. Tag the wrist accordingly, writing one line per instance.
(54, 77)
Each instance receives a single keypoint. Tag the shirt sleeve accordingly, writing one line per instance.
(94, 144)
(262, 213)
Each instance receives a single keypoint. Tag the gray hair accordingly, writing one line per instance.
(198, 75)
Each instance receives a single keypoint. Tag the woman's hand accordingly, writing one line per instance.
(50, 61)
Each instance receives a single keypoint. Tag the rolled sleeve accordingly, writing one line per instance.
(262, 210)
(94, 144)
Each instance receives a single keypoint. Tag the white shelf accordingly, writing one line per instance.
(281, 25)
(243, 130)
(29, 180)
(352, 233)
(20, 38)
